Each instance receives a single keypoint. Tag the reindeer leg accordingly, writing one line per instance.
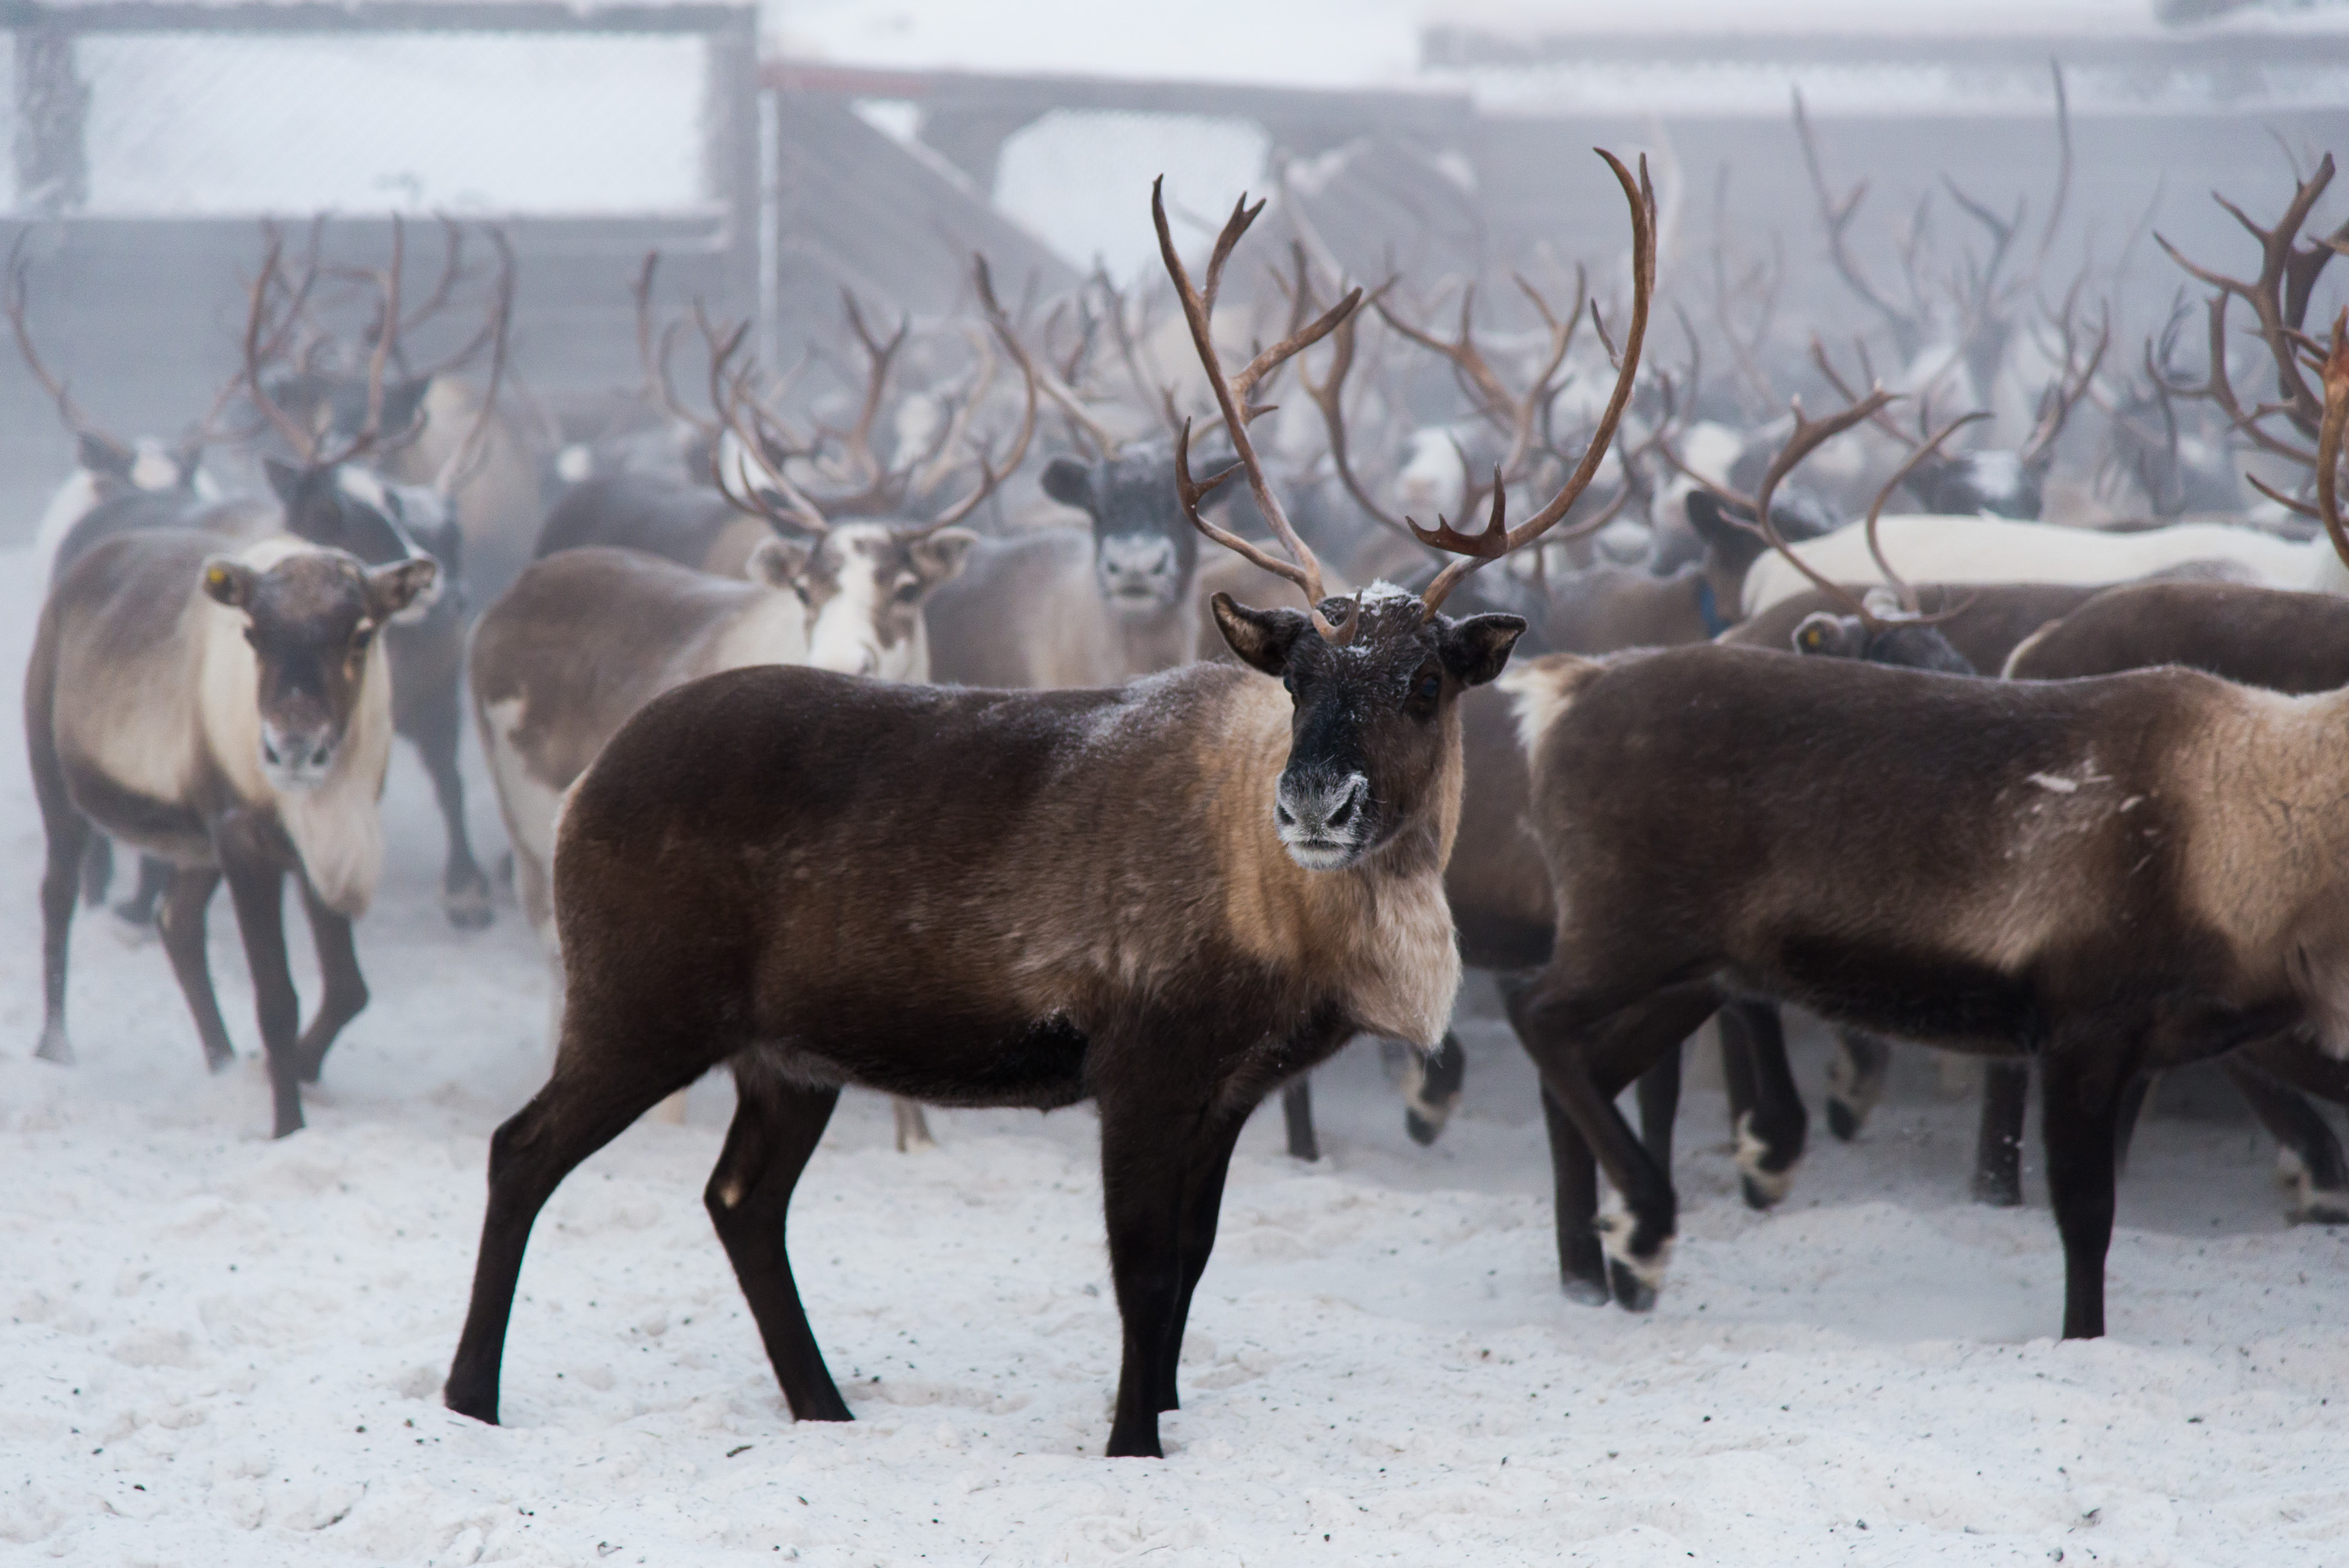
(1430, 1088)
(1855, 1081)
(138, 911)
(182, 918)
(1584, 1065)
(97, 870)
(1202, 1203)
(1659, 1107)
(1998, 1148)
(1158, 1167)
(256, 887)
(343, 987)
(913, 1127)
(464, 890)
(606, 1076)
(2079, 1105)
(2299, 1129)
(1297, 1112)
(1772, 1127)
(69, 833)
(1574, 1185)
(777, 1126)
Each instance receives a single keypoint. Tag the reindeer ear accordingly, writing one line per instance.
(1069, 482)
(776, 561)
(227, 580)
(393, 588)
(102, 456)
(1262, 638)
(940, 557)
(1478, 649)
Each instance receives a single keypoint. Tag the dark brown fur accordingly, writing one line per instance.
(2063, 871)
(992, 898)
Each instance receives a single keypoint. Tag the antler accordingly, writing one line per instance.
(1837, 216)
(1516, 417)
(2336, 373)
(1910, 602)
(1231, 396)
(1497, 540)
(741, 414)
(653, 354)
(76, 418)
(990, 475)
(466, 458)
(262, 344)
(2278, 299)
(2071, 384)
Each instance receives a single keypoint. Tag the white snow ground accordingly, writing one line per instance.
(218, 1350)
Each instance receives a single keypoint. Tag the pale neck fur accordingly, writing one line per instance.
(1381, 929)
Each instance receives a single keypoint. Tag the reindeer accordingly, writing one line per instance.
(551, 687)
(1167, 897)
(231, 715)
(1989, 550)
(331, 497)
(2061, 869)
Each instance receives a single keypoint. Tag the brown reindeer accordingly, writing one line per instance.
(2113, 875)
(1167, 897)
(231, 715)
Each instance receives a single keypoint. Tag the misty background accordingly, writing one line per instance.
(777, 155)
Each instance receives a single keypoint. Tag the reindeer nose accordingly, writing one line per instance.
(1320, 810)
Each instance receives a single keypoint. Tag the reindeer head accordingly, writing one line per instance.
(311, 618)
(865, 584)
(350, 508)
(1375, 679)
(1373, 716)
(1144, 554)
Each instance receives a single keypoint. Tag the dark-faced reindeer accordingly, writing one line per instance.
(2112, 876)
(1167, 897)
(230, 715)
(334, 496)
(551, 684)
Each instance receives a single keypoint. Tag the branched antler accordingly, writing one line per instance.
(1497, 539)
(1199, 304)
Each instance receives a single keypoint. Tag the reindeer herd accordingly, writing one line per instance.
(887, 722)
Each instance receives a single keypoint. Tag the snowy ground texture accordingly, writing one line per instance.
(218, 1350)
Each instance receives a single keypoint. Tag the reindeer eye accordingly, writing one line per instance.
(1426, 689)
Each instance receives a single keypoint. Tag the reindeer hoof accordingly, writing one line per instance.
(1843, 1121)
(1422, 1131)
(468, 906)
(1587, 1292)
(480, 1408)
(1632, 1292)
(1998, 1191)
(54, 1047)
(2323, 1209)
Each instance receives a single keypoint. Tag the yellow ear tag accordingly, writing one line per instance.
(1811, 638)
(215, 576)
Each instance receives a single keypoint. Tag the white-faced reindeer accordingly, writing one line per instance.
(2111, 875)
(1167, 897)
(552, 683)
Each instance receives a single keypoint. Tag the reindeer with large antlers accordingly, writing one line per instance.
(2110, 876)
(2282, 427)
(1168, 898)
